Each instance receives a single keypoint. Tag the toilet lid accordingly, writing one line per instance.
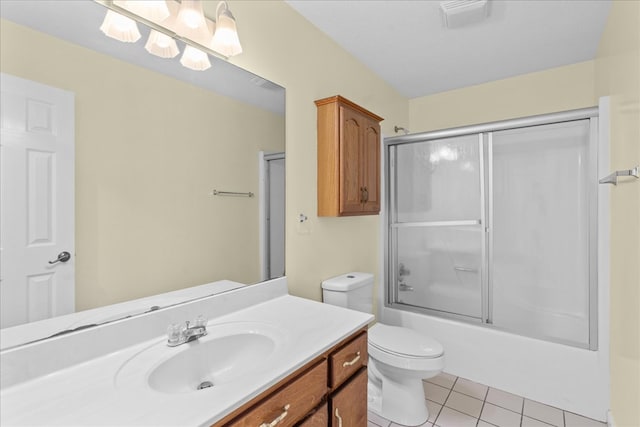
(403, 341)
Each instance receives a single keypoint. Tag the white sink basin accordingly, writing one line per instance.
(228, 352)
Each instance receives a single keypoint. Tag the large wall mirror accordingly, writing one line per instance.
(153, 140)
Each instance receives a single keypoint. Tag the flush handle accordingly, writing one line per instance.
(62, 257)
(353, 361)
(285, 412)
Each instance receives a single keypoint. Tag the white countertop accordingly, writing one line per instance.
(88, 393)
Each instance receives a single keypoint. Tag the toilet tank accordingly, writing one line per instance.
(351, 290)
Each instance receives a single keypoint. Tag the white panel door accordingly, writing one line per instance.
(36, 201)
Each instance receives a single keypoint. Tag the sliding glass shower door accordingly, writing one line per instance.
(437, 227)
(540, 230)
(497, 226)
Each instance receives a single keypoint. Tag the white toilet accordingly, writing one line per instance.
(399, 358)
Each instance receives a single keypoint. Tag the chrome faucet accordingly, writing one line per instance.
(179, 334)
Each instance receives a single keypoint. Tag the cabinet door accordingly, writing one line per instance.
(352, 127)
(349, 404)
(370, 167)
(320, 418)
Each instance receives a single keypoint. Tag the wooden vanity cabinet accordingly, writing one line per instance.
(330, 389)
(348, 158)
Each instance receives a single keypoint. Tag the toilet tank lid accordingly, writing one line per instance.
(347, 282)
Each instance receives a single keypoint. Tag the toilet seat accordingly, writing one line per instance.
(404, 348)
(405, 342)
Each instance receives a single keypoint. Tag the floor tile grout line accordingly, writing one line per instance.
(445, 401)
(482, 408)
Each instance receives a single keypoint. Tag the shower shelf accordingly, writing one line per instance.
(613, 178)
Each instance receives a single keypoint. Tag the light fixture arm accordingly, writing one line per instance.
(222, 4)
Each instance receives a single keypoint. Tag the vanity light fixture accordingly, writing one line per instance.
(120, 27)
(195, 59)
(225, 38)
(161, 45)
(171, 21)
(153, 10)
(190, 21)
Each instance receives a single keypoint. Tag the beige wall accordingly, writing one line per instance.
(280, 45)
(618, 75)
(149, 150)
(556, 89)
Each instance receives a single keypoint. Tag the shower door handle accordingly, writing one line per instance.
(467, 269)
(404, 287)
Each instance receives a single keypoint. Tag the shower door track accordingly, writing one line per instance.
(542, 119)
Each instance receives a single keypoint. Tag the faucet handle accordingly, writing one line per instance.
(201, 321)
(174, 333)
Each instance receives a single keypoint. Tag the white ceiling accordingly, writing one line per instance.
(407, 45)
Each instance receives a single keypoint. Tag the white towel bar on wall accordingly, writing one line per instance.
(613, 178)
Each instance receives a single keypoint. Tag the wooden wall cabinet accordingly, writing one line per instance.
(329, 391)
(348, 158)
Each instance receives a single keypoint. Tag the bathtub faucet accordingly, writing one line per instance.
(179, 334)
(403, 271)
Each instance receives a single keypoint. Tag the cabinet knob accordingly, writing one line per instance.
(366, 195)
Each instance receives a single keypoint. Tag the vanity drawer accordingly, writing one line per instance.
(290, 403)
(347, 360)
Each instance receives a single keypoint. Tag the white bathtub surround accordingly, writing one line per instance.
(102, 391)
(562, 376)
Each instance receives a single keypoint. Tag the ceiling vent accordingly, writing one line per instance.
(265, 84)
(460, 13)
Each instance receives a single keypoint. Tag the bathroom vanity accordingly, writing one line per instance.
(272, 358)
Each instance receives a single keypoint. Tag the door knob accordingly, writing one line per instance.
(62, 257)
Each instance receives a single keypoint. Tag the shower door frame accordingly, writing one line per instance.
(485, 139)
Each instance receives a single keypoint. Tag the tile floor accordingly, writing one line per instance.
(458, 402)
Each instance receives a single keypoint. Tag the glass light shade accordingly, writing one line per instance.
(120, 27)
(153, 10)
(225, 39)
(195, 59)
(161, 45)
(190, 19)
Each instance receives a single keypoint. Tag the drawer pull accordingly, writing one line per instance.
(352, 362)
(279, 418)
(339, 418)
